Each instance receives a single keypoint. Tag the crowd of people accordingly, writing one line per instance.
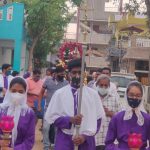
(102, 124)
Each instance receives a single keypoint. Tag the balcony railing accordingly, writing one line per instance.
(95, 38)
(141, 42)
(123, 44)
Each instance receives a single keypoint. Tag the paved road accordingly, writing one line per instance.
(38, 137)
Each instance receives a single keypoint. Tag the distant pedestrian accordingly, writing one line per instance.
(15, 73)
(95, 76)
(26, 75)
(5, 79)
(113, 87)
(50, 86)
(34, 87)
(111, 106)
(49, 73)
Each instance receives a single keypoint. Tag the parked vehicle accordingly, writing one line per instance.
(122, 80)
(146, 98)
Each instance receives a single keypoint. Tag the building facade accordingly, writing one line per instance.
(96, 25)
(12, 35)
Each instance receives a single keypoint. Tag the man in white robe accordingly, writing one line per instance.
(63, 108)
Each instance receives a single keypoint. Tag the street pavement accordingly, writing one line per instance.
(38, 137)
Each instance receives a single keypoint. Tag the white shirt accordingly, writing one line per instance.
(62, 104)
(111, 102)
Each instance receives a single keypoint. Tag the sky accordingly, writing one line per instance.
(113, 6)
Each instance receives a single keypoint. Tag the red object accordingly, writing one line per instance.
(72, 46)
(7, 123)
(135, 140)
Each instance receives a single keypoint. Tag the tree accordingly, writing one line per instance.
(134, 6)
(46, 21)
(147, 2)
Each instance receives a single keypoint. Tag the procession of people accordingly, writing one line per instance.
(101, 124)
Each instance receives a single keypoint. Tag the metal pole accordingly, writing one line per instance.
(78, 24)
(80, 93)
(82, 77)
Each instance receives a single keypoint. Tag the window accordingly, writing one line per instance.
(142, 65)
(1, 14)
(10, 13)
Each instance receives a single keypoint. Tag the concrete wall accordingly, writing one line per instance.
(13, 30)
(99, 10)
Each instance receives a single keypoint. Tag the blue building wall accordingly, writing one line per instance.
(13, 30)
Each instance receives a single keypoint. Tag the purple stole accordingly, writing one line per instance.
(75, 97)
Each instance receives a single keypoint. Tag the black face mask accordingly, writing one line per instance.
(60, 78)
(134, 103)
(36, 79)
(75, 82)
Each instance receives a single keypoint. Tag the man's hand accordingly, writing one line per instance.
(78, 140)
(76, 119)
(108, 113)
(4, 143)
(4, 91)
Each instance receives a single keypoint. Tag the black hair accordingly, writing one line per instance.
(99, 70)
(5, 66)
(89, 78)
(136, 84)
(18, 80)
(14, 73)
(48, 69)
(36, 71)
(59, 69)
(51, 70)
(106, 68)
(75, 63)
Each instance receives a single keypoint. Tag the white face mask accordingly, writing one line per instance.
(102, 91)
(17, 98)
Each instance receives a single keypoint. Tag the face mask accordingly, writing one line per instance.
(17, 98)
(103, 91)
(134, 103)
(8, 72)
(60, 78)
(36, 79)
(75, 82)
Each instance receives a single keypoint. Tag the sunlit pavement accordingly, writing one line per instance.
(38, 137)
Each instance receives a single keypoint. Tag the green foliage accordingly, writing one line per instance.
(133, 6)
(77, 2)
(46, 21)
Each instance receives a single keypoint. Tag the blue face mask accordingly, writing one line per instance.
(133, 102)
(8, 72)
